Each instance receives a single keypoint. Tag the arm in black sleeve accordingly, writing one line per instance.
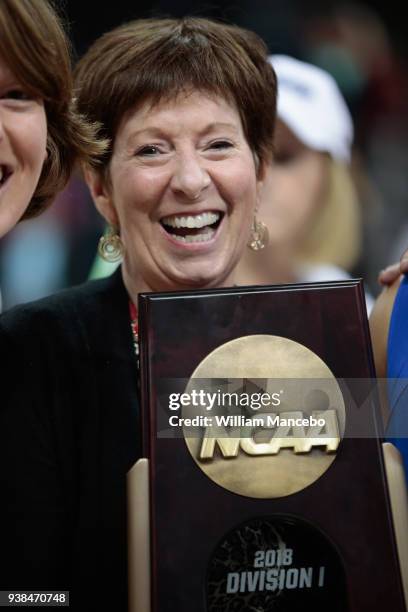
(35, 521)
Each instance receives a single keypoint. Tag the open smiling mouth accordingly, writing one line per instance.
(192, 228)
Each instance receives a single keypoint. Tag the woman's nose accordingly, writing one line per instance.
(190, 177)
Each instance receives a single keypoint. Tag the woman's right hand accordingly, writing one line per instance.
(390, 274)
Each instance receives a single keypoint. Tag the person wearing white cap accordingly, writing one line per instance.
(309, 205)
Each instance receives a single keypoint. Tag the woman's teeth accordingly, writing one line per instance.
(198, 221)
(192, 228)
(195, 237)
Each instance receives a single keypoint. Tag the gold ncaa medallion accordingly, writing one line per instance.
(274, 417)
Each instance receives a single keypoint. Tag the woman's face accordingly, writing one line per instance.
(23, 138)
(295, 186)
(183, 189)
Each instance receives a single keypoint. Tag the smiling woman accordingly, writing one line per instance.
(188, 109)
(187, 115)
(23, 137)
(183, 190)
(41, 136)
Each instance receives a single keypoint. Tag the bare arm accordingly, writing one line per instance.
(379, 326)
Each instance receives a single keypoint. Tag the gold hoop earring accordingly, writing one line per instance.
(259, 237)
(110, 246)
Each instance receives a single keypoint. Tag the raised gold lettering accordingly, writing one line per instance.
(289, 433)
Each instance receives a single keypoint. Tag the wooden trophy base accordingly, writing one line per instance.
(139, 528)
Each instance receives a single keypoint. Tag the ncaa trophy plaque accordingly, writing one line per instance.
(263, 487)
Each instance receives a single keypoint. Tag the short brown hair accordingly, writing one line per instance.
(155, 59)
(35, 48)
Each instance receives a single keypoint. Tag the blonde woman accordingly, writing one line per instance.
(309, 204)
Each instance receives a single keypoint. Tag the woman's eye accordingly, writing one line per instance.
(220, 144)
(148, 151)
(16, 94)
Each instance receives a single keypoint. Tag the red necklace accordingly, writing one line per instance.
(134, 324)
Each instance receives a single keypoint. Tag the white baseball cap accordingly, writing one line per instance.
(312, 106)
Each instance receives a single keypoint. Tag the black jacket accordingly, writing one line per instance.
(69, 432)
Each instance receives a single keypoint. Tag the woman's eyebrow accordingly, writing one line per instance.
(220, 124)
(159, 132)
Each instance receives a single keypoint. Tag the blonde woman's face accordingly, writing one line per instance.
(23, 138)
(294, 189)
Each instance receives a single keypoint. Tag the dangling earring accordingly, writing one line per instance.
(110, 246)
(259, 237)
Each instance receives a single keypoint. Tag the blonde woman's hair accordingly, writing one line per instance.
(335, 235)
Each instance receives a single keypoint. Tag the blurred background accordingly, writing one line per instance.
(362, 44)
